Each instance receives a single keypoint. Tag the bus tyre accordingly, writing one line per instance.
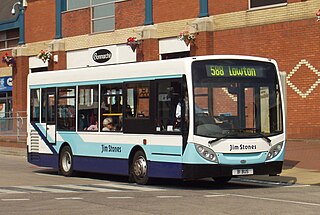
(222, 180)
(139, 168)
(66, 162)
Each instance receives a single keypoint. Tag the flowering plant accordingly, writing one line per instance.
(318, 15)
(44, 55)
(187, 37)
(9, 60)
(133, 42)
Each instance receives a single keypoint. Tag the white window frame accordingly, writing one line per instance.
(100, 18)
(266, 6)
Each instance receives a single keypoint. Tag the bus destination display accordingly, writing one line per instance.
(220, 71)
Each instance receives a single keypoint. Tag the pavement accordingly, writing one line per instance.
(301, 165)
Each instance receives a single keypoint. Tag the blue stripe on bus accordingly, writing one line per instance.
(113, 81)
(101, 149)
(191, 156)
(44, 160)
(101, 165)
(237, 159)
(44, 138)
(108, 165)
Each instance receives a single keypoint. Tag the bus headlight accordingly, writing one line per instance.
(274, 151)
(206, 153)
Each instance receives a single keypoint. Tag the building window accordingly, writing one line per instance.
(9, 38)
(102, 15)
(263, 3)
(174, 55)
(76, 4)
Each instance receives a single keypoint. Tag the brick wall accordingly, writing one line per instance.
(19, 92)
(130, 14)
(164, 10)
(222, 6)
(40, 20)
(148, 50)
(76, 22)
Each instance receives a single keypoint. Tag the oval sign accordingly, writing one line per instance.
(101, 55)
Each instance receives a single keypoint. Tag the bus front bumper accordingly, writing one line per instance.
(191, 171)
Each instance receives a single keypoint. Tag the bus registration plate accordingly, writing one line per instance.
(242, 172)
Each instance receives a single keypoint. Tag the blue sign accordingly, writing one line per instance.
(6, 84)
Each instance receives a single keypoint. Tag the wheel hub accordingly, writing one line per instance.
(140, 167)
(66, 162)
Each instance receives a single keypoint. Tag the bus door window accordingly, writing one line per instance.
(170, 105)
(66, 109)
(48, 106)
(43, 105)
(88, 108)
(138, 115)
(111, 107)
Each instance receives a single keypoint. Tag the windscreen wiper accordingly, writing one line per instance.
(220, 138)
(267, 139)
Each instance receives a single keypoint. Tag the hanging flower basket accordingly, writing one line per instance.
(187, 37)
(133, 43)
(9, 60)
(44, 55)
(318, 15)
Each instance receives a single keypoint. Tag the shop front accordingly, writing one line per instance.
(5, 103)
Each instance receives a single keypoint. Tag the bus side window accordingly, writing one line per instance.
(66, 120)
(139, 117)
(88, 108)
(111, 107)
(138, 99)
(35, 105)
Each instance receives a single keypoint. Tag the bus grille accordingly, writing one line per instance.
(34, 141)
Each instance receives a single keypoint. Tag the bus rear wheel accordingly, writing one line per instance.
(66, 161)
(139, 168)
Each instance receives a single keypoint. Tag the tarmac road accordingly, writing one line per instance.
(301, 165)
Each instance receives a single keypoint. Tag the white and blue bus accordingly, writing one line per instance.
(196, 117)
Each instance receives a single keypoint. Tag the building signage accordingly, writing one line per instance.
(101, 56)
(98, 56)
(5, 84)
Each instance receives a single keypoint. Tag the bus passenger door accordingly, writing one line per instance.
(51, 115)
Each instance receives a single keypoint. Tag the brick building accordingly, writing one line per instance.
(73, 30)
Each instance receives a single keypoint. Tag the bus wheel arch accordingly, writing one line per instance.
(66, 160)
(138, 167)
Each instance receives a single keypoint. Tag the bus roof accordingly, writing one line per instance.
(123, 72)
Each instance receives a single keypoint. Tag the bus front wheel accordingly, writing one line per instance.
(66, 161)
(139, 168)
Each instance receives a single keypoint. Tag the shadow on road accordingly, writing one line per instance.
(201, 184)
